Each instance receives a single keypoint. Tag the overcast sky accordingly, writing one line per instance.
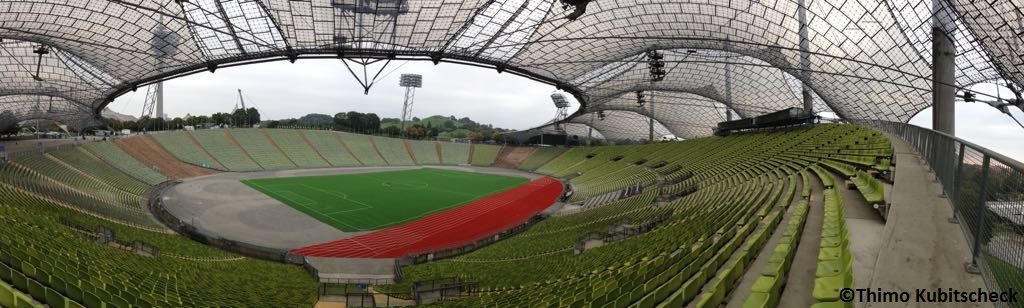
(289, 90)
(283, 90)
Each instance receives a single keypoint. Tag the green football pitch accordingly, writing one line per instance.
(370, 201)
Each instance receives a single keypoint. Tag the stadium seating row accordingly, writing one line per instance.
(455, 153)
(540, 156)
(298, 150)
(185, 148)
(745, 182)
(113, 156)
(363, 149)
(738, 188)
(260, 149)
(835, 263)
(225, 150)
(425, 151)
(329, 146)
(485, 154)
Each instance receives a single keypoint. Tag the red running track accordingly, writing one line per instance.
(448, 229)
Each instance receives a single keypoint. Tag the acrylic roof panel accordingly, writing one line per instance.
(863, 59)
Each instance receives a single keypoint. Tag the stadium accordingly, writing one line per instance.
(723, 154)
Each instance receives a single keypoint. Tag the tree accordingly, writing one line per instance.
(391, 131)
(340, 121)
(415, 119)
(316, 120)
(245, 117)
(239, 118)
(11, 129)
(220, 118)
(356, 121)
(475, 136)
(254, 115)
(415, 131)
(372, 122)
(449, 125)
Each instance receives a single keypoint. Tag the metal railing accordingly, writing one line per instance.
(986, 190)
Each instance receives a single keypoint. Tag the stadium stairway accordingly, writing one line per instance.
(147, 151)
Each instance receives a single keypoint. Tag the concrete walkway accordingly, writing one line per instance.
(920, 248)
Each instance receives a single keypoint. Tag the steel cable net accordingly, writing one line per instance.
(865, 59)
(684, 115)
(622, 125)
(569, 129)
(22, 108)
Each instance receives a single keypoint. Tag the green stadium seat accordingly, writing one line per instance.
(6, 295)
(24, 301)
(55, 299)
(36, 289)
(871, 188)
(758, 300)
(827, 289)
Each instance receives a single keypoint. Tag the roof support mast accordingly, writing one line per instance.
(728, 85)
(805, 58)
(244, 110)
(943, 64)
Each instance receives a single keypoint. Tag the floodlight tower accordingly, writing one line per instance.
(562, 106)
(410, 82)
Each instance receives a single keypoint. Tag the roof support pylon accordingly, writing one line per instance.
(805, 59)
(943, 65)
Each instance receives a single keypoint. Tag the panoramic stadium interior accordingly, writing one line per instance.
(723, 154)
